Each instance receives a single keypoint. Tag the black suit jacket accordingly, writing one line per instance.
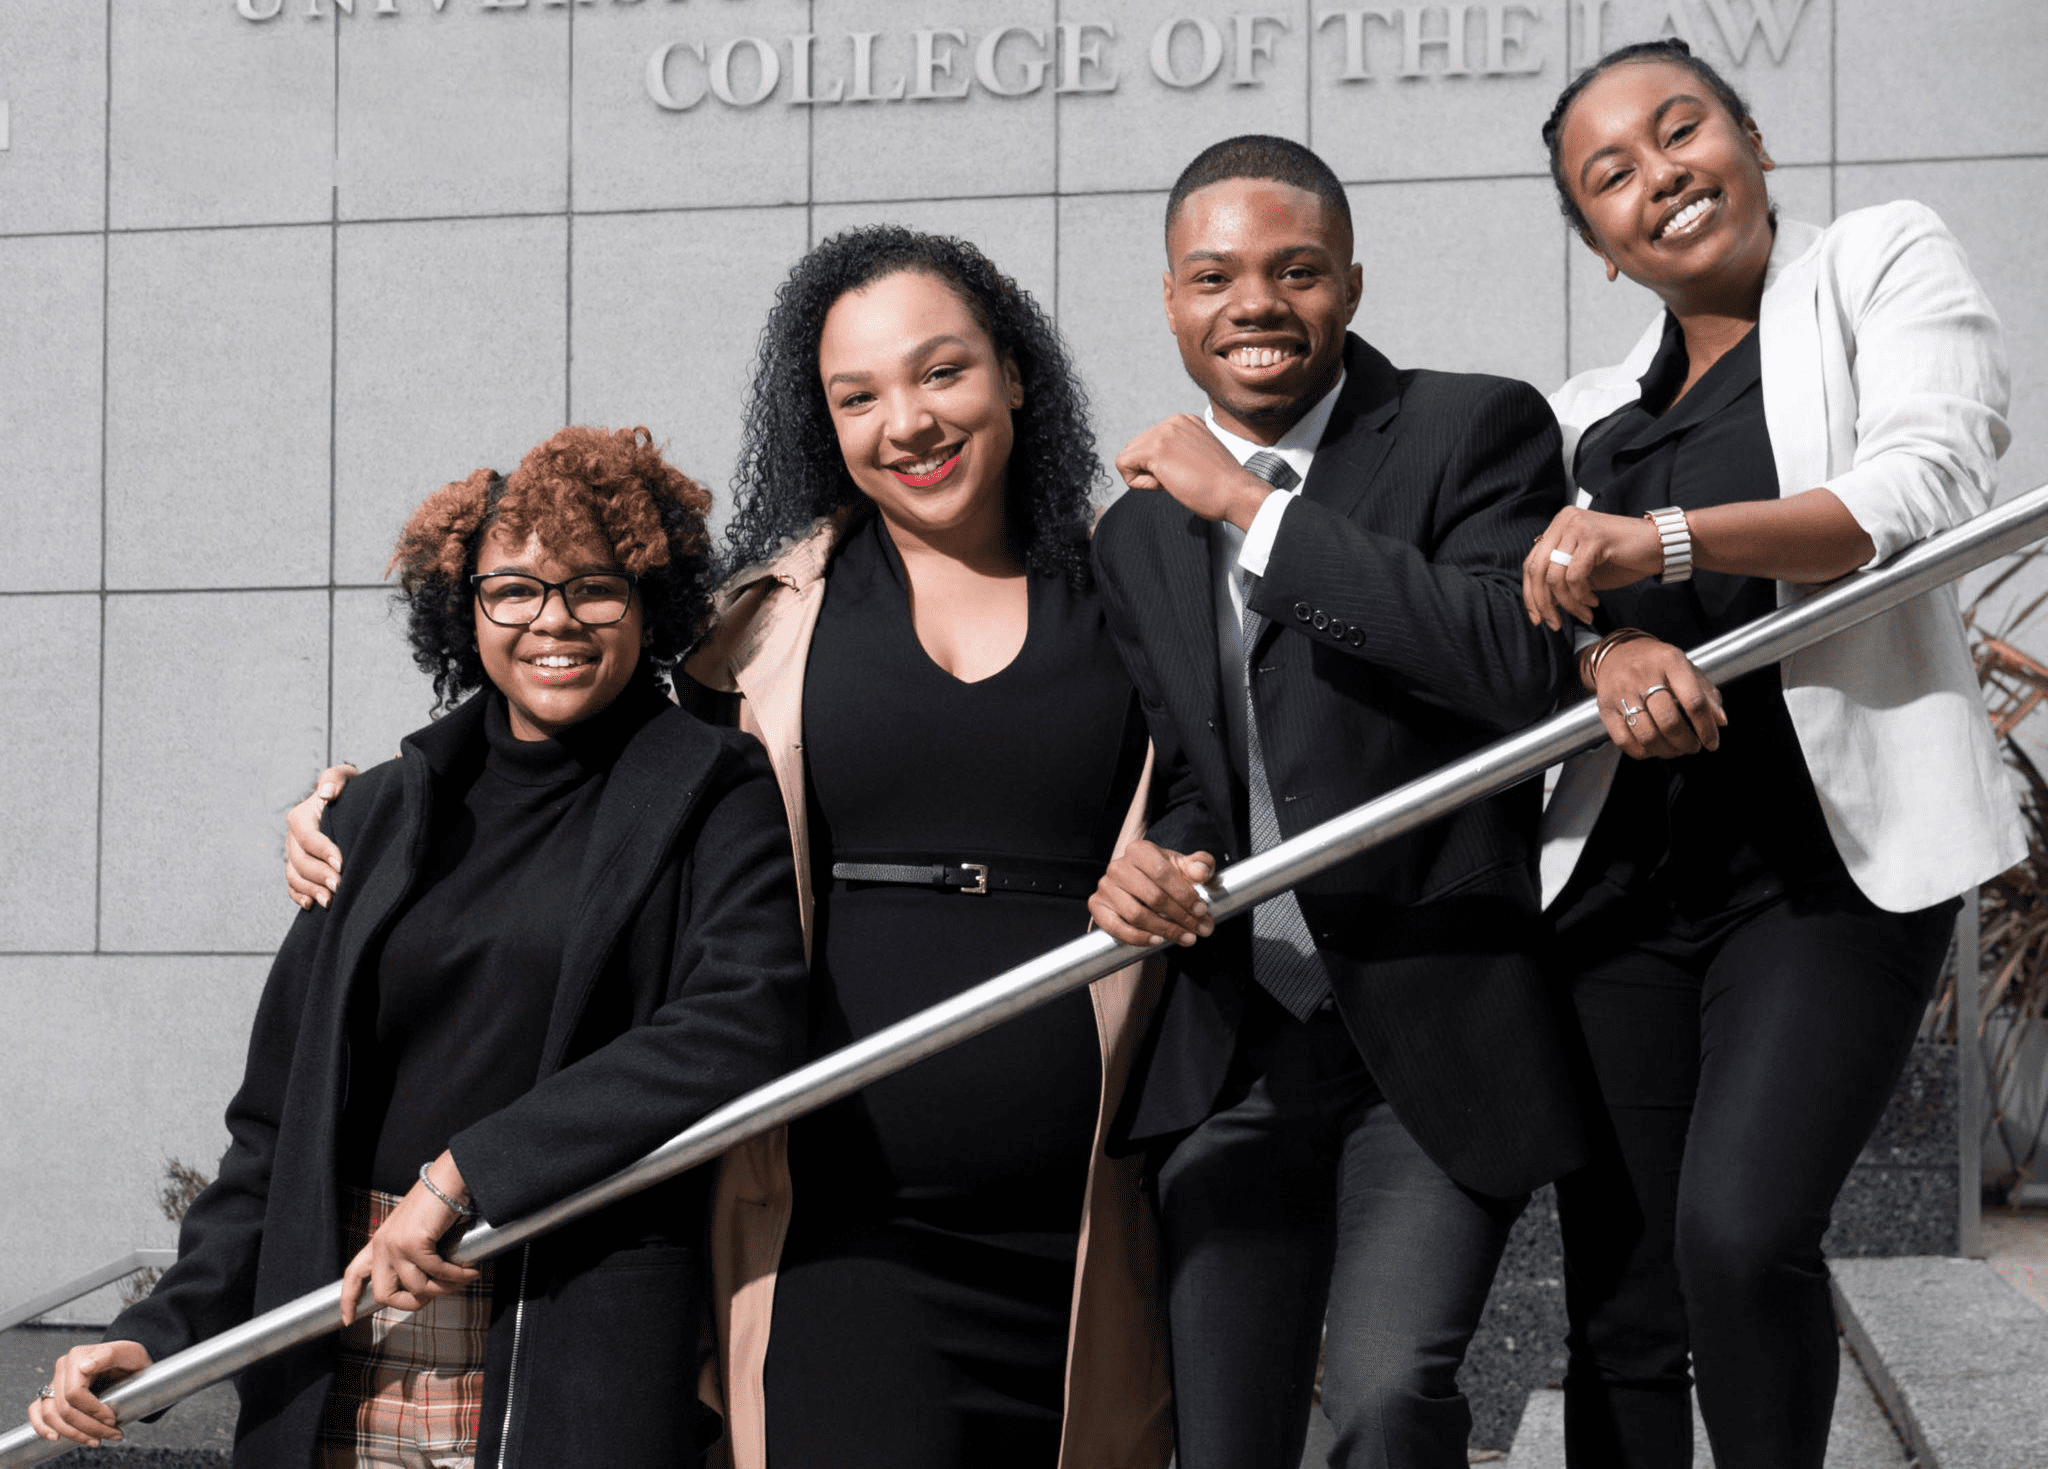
(1396, 641)
(683, 984)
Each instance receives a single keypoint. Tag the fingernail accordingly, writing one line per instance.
(1187, 940)
(321, 899)
(1153, 940)
(326, 792)
(1207, 929)
(334, 883)
(1201, 910)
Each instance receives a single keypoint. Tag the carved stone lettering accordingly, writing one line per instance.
(1208, 36)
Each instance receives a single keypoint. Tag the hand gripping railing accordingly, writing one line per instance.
(1921, 569)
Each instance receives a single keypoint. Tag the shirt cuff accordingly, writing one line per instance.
(1263, 531)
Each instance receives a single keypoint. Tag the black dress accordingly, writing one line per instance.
(922, 1302)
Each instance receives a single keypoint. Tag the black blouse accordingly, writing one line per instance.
(1723, 829)
(452, 1027)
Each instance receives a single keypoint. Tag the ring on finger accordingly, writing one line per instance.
(1628, 715)
(47, 1393)
(1657, 688)
(1560, 558)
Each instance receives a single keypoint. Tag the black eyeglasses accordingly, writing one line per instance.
(513, 599)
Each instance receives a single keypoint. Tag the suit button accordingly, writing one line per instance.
(1336, 629)
(1321, 620)
(1357, 637)
(1302, 611)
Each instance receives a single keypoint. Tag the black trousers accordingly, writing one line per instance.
(1742, 1064)
(1301, 1189)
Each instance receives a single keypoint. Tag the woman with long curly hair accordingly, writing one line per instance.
(947, 1270)
(568, 929)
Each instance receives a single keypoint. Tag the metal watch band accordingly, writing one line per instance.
(1677, 538)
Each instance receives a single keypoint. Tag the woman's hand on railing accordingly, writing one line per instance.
(1655, 703)
(1148, 896)
(402, 1262)
(312, 864)
(71, 1410)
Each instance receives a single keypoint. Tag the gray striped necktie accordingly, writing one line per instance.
(1284, 958)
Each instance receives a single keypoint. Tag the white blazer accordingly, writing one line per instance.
(1884, 381)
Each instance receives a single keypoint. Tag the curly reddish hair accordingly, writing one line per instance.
(611, 484)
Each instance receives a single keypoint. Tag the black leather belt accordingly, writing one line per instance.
(1052, 875)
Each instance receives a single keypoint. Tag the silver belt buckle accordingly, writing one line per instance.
(980, 871)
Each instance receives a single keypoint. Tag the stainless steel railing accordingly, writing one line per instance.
(1925, 567)
(85, 1285)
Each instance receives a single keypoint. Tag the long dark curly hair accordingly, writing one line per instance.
(790, 469)
(609, 483)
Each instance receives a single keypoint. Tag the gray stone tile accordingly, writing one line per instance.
(1465, 276)
(934, 146)
(1410, 115)
(218, 365)
(1607, 316)
(50, 411)
(452, 114)
(1977, 201)
(1112, 262)
(451, 356)
(1141, 135)
(55, 73)
(635, 153)
(1959, 1357)
(1019, 235)
(217, 120)
(1918, 1128)
(49, 774)
(1786, 78)
(1940, 81)
(651, 350)
(215, 723)
(380, 695)
(121, 1063)
(1893, 1211)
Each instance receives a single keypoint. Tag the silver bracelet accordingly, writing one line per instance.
(462, 1211)
(1676, 536)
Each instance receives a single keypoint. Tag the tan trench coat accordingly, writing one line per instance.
(1118, 1409)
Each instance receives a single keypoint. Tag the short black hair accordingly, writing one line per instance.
(1260, 156)
(791, 470)
(1670, 49)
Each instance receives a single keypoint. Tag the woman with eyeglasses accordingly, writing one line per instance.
(1753, 908)
(568, 929)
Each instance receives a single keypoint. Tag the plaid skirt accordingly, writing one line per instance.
(408, 1389)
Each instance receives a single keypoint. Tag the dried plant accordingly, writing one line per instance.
(2012, 944)
(181, 1185)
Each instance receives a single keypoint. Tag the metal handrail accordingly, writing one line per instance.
(85, 1285)
(1856, 598)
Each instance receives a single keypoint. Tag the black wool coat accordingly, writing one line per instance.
(683, 983)
(1395, 641)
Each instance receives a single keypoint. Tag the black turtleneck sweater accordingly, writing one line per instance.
(452, 1026)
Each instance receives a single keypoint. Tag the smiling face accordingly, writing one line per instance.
(554, 672)
(1260, 286)
(1670, 183)
(921, 402)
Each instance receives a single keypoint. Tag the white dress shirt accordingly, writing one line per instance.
(1231, 549)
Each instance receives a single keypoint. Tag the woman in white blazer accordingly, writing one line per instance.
(1753, 909)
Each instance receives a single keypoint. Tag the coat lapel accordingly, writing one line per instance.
(1356, 439)
(651, 791)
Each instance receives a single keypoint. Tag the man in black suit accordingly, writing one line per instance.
(1349, 1097)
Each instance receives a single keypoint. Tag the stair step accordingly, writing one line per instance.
(1959, 1356)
